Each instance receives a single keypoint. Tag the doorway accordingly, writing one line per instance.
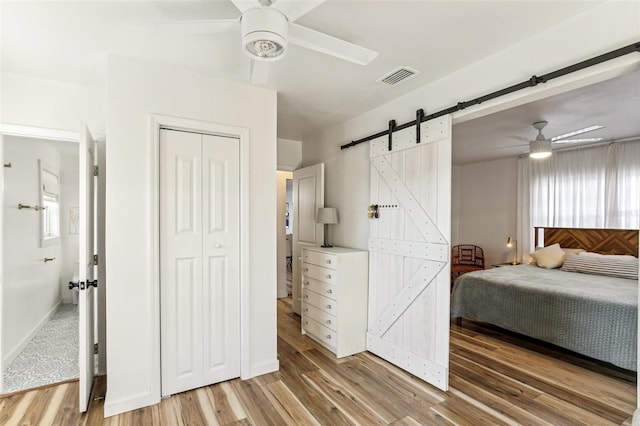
(199, 259)
(284, 229)
(40, 257)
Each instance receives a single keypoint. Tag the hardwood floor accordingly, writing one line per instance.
(492, 382)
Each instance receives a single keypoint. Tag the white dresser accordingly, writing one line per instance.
(334, 298)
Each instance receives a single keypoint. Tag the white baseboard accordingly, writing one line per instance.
(7, 360)
(263, 368)
(111, 408)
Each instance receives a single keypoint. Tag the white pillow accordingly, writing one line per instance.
(549, 257)
(573, 250)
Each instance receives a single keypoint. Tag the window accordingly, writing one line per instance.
(50, 200)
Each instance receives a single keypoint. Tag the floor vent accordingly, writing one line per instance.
(398, 75)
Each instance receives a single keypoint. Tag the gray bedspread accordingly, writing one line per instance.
(593, 315)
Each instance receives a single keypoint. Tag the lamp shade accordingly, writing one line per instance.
(327, 215)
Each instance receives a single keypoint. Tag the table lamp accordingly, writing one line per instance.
(327, 216)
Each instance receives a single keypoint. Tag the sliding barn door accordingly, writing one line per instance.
(409, 251)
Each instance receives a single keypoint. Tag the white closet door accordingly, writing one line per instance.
(199, 257)
(221, 254)
(409, 251)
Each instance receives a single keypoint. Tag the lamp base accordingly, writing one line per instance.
(326, 237)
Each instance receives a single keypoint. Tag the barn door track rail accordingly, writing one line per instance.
(533, 81)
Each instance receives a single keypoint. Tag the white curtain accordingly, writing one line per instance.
(594, 187)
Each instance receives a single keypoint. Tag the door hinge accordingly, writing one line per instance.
(95, 259)
(95, 348)
(96, 171)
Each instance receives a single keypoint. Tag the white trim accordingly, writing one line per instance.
(10, 129)
(178, 123)
(111, 408)
(26, 339)
(263, 368)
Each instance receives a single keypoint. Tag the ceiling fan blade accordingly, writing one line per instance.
(209, 26)
(293, 9)
(569, 141)
(576, 132)
(244, 5)
(258, 73)
(324, 43)
(520, 138)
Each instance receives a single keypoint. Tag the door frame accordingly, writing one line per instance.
(45, 133)
(242, 134)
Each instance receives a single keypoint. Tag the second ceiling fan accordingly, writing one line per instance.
(267, 28)
(540, 147)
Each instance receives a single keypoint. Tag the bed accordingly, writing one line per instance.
(593, 315)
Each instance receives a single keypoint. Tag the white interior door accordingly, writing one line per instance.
(199, 259)
(308, 196)
(409, 244)
(87, 276)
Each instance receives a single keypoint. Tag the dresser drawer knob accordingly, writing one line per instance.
(306, 269)
(306, 309)
(328, 321)
(329, 276)
(330, 291)
(329, 261)
(306, 283)
(306, 296)
(328, 306)
(306, 323)
(328, 337)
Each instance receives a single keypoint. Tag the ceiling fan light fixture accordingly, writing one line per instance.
(264, 34)
(539, 149)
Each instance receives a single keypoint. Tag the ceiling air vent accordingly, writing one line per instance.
(398, 75)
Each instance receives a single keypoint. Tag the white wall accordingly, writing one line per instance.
(289, 154)
(601, 29)
(484, 210)
(32, 101)
(69, 191)
(136, 89)
(281, 230)
(30, 288)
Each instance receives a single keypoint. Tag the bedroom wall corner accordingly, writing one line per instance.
(485, 213)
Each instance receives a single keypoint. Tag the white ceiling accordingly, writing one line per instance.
(69, 41)
(614, 104)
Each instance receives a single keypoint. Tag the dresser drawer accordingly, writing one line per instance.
(320, 287)
(321, 332)
(319, 273)
(322, 317)
(320, 259)
(320, 302)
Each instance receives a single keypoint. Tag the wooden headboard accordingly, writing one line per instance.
(605, 241)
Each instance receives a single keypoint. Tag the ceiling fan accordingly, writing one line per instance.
(267, 28)
(540, 147)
